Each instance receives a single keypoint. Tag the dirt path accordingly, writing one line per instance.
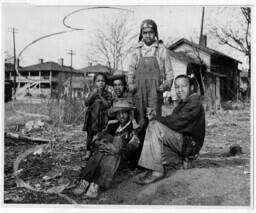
(216, 179)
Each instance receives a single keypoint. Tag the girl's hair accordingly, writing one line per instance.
(102, 74)
(190, 80)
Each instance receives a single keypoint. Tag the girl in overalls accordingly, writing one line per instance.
(150, 73)
(98, 101)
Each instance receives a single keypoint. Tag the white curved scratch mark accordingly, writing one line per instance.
(90, 8)
(32, 82)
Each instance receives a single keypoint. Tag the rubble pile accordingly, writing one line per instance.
(47, 168)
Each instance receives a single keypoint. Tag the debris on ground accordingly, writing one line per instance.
(49, 172)
(33, 125)
(20, 137)
(235, 149)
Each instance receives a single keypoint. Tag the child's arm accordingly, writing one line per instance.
(168, 69)
(89, 100)
(106, 102)
(131, 71)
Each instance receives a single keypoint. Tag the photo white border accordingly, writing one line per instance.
(130, 208)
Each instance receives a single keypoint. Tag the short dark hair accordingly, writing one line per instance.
(123, 81)
(190, 80)
(102, 74)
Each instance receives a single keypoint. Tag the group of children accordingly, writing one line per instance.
(113, 134)
(110, 134)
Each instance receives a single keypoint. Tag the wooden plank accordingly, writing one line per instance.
(217, 92)
(25, 138)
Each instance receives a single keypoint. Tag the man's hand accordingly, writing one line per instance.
(132, 88)
(94, 91)
(166, 85)
(161, 88)
(151, 114)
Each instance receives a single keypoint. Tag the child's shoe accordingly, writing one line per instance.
(81, 188)
(93, 191)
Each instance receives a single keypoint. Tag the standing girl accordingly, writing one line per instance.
(98, 101)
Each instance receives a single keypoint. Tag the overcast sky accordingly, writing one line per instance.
(174, 22)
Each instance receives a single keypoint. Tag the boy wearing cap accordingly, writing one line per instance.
(119, 83)
(150, 72)
(116, 142)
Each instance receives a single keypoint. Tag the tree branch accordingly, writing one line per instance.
(113, 43)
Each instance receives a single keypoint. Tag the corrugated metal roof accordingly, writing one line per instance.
(184, 57)
(203, 48)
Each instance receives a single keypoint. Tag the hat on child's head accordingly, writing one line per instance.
(121, 104)
(118, 75)
(148, 23)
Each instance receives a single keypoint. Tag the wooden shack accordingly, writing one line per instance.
(216, 73)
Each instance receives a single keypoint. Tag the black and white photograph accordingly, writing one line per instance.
(128, 105)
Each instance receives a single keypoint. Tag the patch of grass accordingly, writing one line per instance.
(60, 111)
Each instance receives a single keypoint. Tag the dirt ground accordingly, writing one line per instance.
(217, 178)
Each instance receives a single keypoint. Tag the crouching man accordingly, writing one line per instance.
(174, 139)
(117, 142)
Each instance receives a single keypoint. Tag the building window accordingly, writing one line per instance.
(45, 86)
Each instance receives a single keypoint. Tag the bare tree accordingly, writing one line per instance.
(112, 44)
(234, 38)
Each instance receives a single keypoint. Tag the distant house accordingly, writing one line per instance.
(49, 75)
(92, 69)
(217, 74)
(89, 72)
(9, 72)
(80, 86)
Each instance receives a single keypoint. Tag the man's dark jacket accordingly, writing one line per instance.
(188, 118)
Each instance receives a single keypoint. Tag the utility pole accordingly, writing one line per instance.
(14, 57)
(202, 25)
(71, 53)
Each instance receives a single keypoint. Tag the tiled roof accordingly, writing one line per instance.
(47, 66)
